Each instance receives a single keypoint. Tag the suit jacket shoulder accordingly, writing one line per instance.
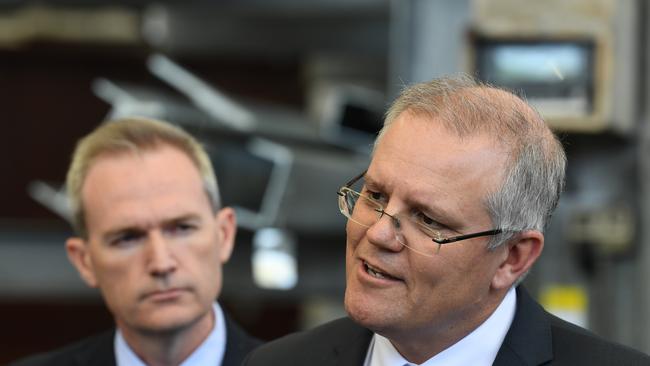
(535, 338)
(238, 344)
(95, 350)
(99, 350)
(573, 345)
(340, 342)
(539, 338)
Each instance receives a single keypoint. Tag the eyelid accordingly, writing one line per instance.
(435, 221)
(124, 235)
(183, 220)
(371, 184)
(178, 223)
(370, 192)
(182, 226)
(430, 212)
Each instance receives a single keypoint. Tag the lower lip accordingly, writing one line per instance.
(163, 296)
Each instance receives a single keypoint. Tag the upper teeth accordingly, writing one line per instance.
(374, 272)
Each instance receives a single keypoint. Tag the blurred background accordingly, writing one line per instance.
(287, 96)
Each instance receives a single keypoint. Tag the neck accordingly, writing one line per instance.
(419, 345)
(168, 348)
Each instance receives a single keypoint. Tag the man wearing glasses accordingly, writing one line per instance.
(443, 225)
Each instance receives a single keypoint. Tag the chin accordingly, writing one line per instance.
(170, 321)
(365, 313)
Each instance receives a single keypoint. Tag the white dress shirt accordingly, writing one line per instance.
(210, 352)
(479, 348)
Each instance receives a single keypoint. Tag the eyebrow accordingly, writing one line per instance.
(111, 234)
(436, 212)
(371, 182)
(115, 233)
(186, 217)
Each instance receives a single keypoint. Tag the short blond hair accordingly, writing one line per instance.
(132, 135)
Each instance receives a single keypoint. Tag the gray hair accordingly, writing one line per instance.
(535, 171)
(132, 135)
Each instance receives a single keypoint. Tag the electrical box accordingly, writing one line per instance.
(575, 61)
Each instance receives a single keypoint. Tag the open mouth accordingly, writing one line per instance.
(377, 273)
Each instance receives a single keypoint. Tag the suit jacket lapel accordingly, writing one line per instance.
(99, 351)
(238, 344)
(351, 347)
(529, 340)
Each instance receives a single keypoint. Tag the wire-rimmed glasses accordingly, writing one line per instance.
(366, 211)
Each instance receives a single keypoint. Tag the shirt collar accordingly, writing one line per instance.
(479, 348)
(210, 352)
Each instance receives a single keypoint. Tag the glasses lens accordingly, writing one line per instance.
(359, 208)
(366, 212)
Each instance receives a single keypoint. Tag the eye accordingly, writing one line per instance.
(126, 238)
(428, 223)
(375, 196)
(182, 228)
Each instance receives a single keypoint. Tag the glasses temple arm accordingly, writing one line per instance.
(468, 236)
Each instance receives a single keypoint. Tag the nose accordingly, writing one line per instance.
(384, 233)
(161, 260)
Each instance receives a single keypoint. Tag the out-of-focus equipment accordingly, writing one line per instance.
(277, 167)
(575, 61)
(274, 260)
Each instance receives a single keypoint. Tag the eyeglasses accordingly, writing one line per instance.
(367, 211)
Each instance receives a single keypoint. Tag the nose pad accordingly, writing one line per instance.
(384, 235)
(398, 228)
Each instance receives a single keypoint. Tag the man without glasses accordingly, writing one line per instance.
(442, 227)
(152, 237)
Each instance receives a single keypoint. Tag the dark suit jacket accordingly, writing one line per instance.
(98, 350)
(534, 338)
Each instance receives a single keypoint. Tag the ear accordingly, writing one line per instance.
(79, 256)
(521, 253)
(227, 230)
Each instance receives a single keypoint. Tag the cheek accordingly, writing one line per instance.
(120, 285)
(466, 275)
(203, 248)
(441, 276)
(206, 259)
(354, 233)
(483, 263)
(211, 278)
(116, 271)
